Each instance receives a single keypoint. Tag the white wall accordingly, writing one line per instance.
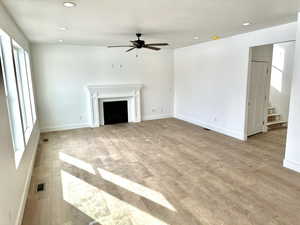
(211, 79)
(8, 25)
(280, 92)
(14, 182)
(63, 71)
(292, 154)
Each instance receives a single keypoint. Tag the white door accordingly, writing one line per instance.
(257, 97)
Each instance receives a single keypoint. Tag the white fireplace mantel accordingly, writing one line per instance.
(101, 93)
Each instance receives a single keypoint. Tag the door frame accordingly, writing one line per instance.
(268, 84)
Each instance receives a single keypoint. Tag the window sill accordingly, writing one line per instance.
(28, 133)
(19, 152)
(18, 157)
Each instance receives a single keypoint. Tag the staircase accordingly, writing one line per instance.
(274, 121)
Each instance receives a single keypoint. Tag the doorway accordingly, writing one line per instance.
(269, 86)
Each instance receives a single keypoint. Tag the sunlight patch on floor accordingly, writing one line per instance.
(76, 162)
(136, 188)
(101, 206)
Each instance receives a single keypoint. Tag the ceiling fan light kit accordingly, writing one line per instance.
(138, 44)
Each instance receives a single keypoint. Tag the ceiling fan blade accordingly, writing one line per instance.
(151, 47)
(134, 43)
(158, 44)
(120, 46)
(130, 49)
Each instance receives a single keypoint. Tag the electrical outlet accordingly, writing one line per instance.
(153, 110)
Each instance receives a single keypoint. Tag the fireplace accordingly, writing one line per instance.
(115, 112)
(100, 95)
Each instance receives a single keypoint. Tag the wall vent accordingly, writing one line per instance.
(40, 187)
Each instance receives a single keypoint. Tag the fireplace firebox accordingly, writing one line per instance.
(115, 112)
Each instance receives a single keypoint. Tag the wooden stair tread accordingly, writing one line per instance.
(276, 122)
(273, 114)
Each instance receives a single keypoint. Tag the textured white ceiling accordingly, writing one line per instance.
(105, 22)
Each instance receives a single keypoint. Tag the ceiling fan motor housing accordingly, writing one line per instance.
(139, 43)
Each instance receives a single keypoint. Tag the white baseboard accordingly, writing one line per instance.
(157, 117)
(64, 127)
(85, 125)
(291, 165)
(221, 130)
(19, 218)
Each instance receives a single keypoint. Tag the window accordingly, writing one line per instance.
(16, 72)
(28, 68)
(12, 94)
(277, 68)
(23, 90)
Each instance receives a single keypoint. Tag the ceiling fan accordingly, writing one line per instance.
(140, 44)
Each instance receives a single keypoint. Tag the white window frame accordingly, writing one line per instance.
(23, 90)
(12, 97)
(30, 83)
(15, 62)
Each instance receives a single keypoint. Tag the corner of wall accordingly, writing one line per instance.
(291, 165)
(64, 127)
(224, 131)
(157, 117)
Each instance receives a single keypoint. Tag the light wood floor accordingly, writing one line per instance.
(163, 172)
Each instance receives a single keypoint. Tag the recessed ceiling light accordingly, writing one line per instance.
(63, 28)
(69, 4)
(196, 38)
(216, 37)
(60, 40)
(246, 24)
